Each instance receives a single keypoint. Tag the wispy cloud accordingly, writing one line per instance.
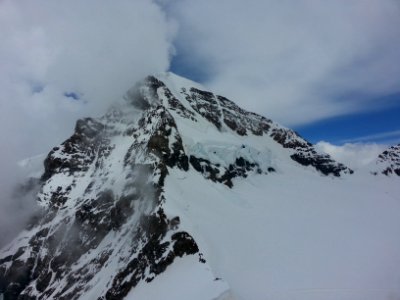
(387, 137)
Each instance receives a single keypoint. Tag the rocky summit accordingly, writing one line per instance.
(132, 204)
(388, 162)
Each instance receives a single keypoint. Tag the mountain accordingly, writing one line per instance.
(178, 193)
(388, 162)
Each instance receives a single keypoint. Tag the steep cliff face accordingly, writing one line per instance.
(104, 227)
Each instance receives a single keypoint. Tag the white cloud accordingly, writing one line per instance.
(353, 155)
(97, 48)
(390, 137)
(295, 61)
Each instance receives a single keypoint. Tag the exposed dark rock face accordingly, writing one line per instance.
(390, 158)
(322, 163)
(242, 121)
(154, 256)
(205, 104)
(239, 168)
(306, 155)
(166, 134)
(78, 152)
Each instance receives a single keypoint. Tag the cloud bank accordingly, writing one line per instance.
(61, 60)
(353, 155)
(294, 61)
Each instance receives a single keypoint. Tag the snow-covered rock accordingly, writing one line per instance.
(388, 162)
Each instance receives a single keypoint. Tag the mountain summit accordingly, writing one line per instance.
(388, 161)
(169, 196)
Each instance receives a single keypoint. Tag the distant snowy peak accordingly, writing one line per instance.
(388, 161)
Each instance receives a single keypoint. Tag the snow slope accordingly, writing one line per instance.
(296, 235)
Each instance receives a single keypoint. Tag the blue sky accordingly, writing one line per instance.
(379, 126)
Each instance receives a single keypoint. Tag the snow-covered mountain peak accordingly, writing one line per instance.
(388, 162)
(204, 117)
(112, 217)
